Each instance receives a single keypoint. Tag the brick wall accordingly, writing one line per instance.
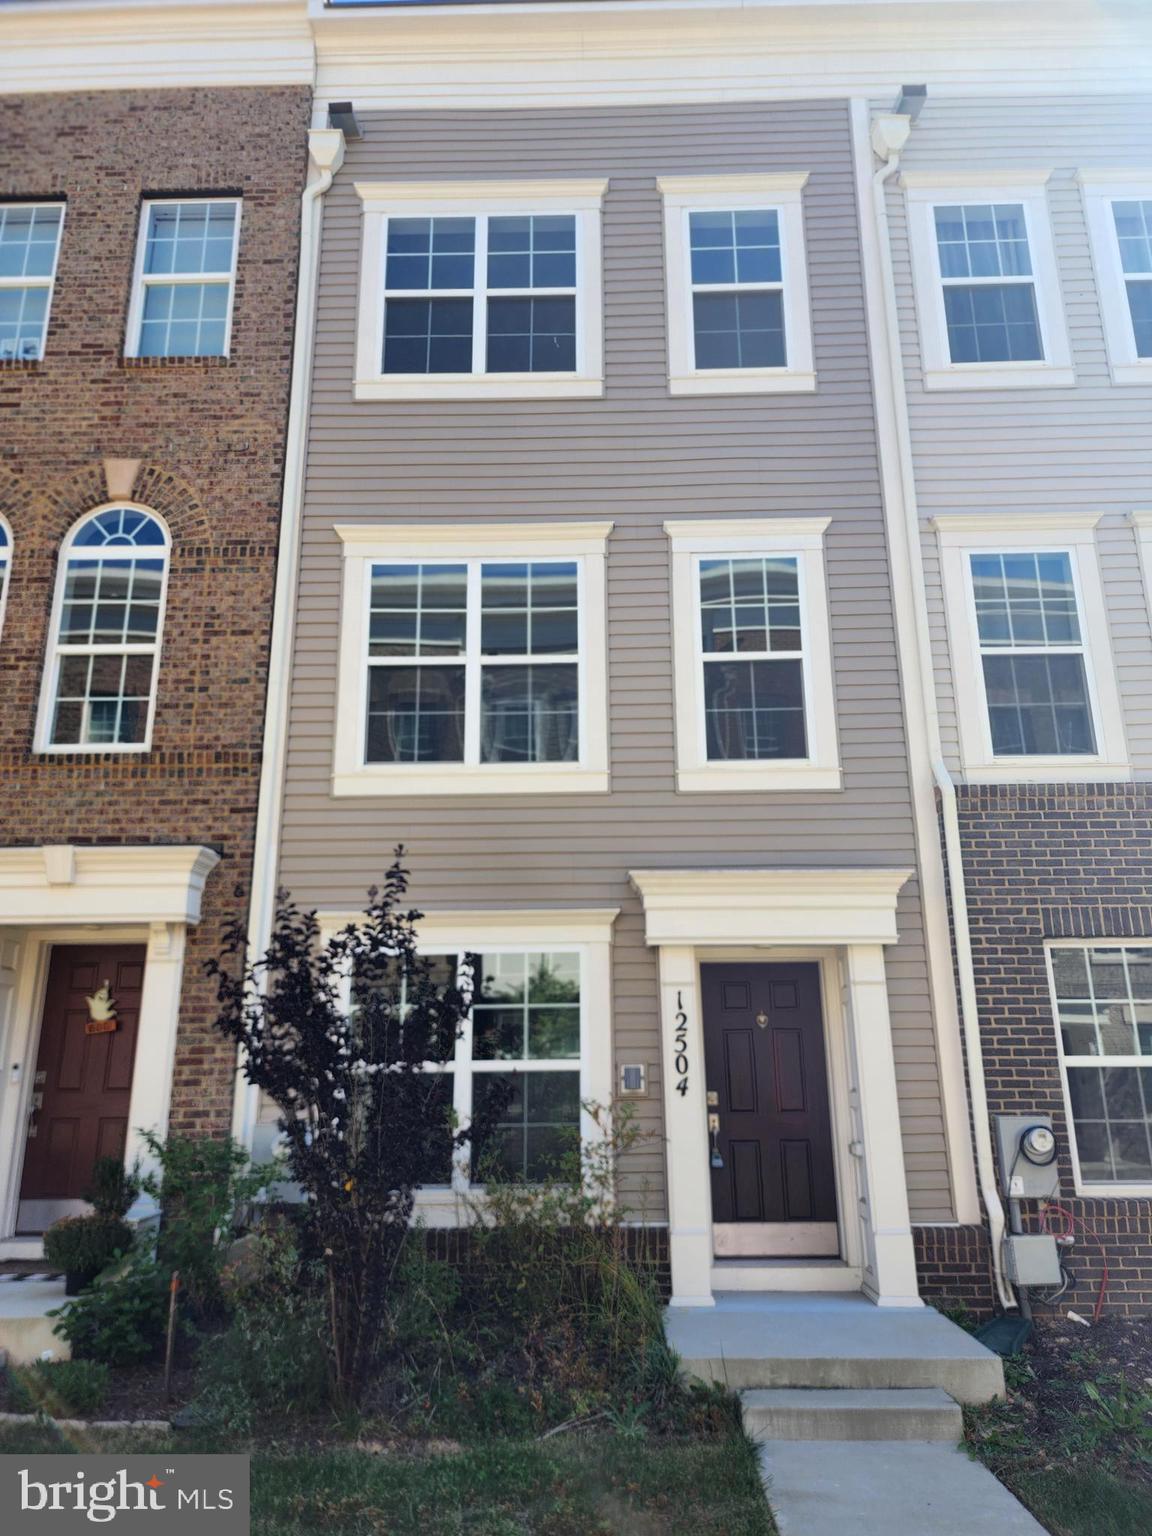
(1045, 862)
(209, 438)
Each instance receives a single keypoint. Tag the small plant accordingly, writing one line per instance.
(121, 1320)
(1124, 1414)
(60, 1388)
(113, 1188)
(83, 1246)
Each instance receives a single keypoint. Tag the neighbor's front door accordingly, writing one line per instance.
(83, 1077)
(773, 1178)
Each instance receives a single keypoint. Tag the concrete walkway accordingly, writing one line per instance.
(886, 1488)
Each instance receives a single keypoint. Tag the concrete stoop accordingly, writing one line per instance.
(924, 1413)
(26, 1330)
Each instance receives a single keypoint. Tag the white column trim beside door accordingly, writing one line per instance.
(151, 1097)
(685, 1128)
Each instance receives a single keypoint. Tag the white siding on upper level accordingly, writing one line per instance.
(1087, 448)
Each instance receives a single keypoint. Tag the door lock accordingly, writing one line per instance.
(716, 1159)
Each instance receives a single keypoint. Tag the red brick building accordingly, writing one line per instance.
(148, 260)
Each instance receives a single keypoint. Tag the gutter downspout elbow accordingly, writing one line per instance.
(890, 132)
(326, 155)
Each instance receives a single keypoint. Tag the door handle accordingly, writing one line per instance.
(716, 1159)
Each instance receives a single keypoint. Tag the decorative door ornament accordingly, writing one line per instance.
(102, 1018)
(762, 1020)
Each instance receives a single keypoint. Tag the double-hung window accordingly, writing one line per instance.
(472, 660)
(1102, 996)
(1119, 211)
(99, 690)
(738, 320)
(987, 292)
(185, 276)
(480, 289)
(754, 702)
(1035, 692)
(29, 248)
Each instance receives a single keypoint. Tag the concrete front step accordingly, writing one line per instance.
(821, 1340)
(805, 1414)
(26, 1330)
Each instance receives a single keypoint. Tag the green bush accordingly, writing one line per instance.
(84, 1245)
(272, 1357)
(112, 1189)
(120, 1320)
(61, 1388)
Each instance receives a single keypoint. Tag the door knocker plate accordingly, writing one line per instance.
(762, 1020)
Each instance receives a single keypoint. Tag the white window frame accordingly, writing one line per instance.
(781, 192)
(43, 735)
(578, 930)
(928, 190)
(428, 543)
(142, 280)
(1085, 1188)
(7, 550)
(480, 200)
(1101, 189)
(964, 534)
(803, 539)
(48, 281)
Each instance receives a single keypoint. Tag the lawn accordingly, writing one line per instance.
(606, 1484)
(1074, 1439)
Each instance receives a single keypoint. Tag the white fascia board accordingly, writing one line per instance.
(61, 883)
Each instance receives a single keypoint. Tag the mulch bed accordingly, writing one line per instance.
(135, 1392)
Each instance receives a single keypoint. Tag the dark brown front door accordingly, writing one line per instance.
(83, 1078)
(773, 1179)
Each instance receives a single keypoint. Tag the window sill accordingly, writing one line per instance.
(419, 781)
(175, 362)
(1114, 1191)
(504, 386)
(134, 749)
(975, 376)
(742, 381)
(1133, 373)
(742, 778)
(1048, 770)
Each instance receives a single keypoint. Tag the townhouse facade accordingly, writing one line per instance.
(711, 542)
(148, 261)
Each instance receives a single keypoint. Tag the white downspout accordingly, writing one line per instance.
(889, 135)
(326, 154)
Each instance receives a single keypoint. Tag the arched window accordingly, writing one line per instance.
(100, 687)
(5, 562)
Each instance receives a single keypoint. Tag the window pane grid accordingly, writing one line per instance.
(736, 289)
(500, 295)
(29, 246)
(108, 631)
(1133, 223)
(186, 277)
(1104, 1012)
(1032, 655)
(512, 696)
(989, 287)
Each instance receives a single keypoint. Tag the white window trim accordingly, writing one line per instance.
(963, 534)
(802, 537)
(578, 930)
(1084, 1188)
(365, 543)
(142, 280)
(480, 199)
(48, 281)
(781, 191)
(42, 741)
(6, 558)
(1101, 189)
(927, 190)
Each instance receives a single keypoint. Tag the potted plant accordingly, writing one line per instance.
(82, 1246)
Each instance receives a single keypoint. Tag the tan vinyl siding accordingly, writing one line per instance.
(636, 457)
(1087, 448)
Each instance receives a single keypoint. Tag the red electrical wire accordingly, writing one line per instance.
(1071, 1222)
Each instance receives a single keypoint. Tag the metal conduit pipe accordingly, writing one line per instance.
(890, 133)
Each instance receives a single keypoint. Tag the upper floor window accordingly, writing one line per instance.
(489, 288)
(1102, 994)
(185, 275)
(29, 247)
(754, 704)
(99, 690)
(5, 563)
(738, 320)
(987, 292)
(472, 660)
(1120, 223)
(1036, 697)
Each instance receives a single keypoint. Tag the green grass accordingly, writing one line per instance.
(1084, 1501)
(595, 1485)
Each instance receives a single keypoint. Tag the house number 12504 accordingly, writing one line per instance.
(680, 1046)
